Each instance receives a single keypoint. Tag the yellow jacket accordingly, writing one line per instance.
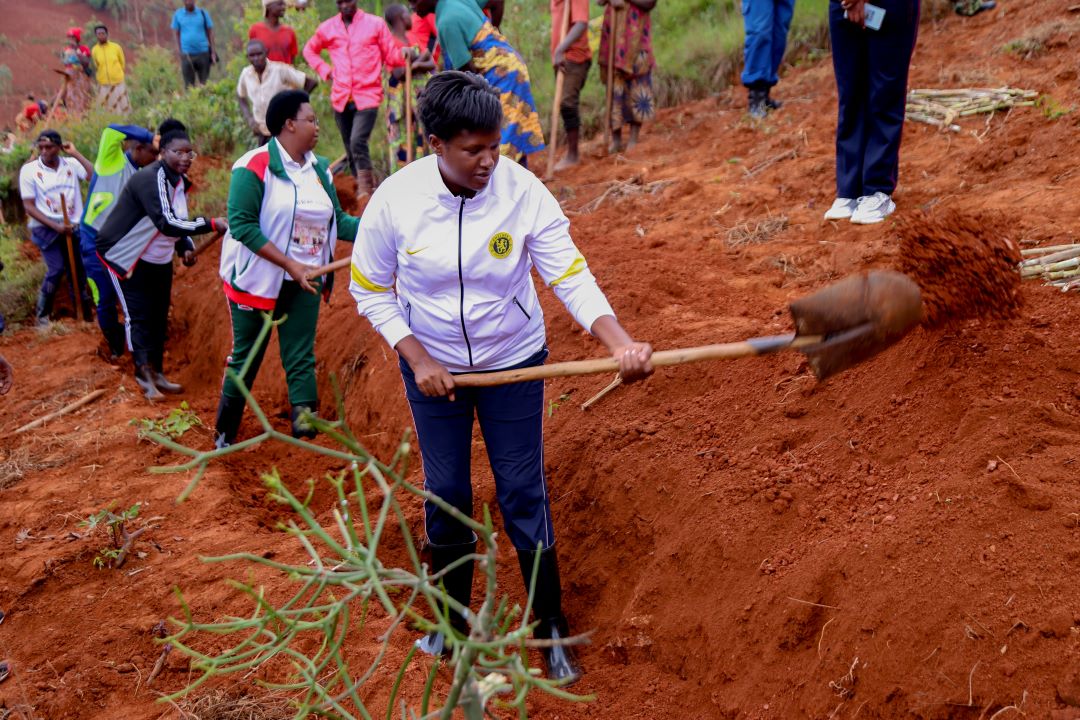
(109, 59)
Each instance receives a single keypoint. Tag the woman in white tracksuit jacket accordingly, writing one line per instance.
(460, 232)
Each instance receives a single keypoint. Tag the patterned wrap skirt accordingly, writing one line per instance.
(505, 69)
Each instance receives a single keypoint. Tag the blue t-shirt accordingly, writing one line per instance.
(193, 26)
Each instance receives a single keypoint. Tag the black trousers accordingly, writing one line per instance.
(145, 297)
(355, 127)
(871, 69)
(195, 68)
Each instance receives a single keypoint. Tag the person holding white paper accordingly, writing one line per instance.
(872, 47)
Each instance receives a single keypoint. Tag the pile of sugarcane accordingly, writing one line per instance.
(941, 108)
(1057, 265)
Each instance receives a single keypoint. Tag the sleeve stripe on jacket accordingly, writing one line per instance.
(359, 279)
(575, 267)
(166, 206)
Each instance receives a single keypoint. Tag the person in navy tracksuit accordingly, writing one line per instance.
(766, 23)
(871, 69)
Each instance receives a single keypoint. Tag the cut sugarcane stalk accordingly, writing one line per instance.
(1053, 257)
(1029, 252)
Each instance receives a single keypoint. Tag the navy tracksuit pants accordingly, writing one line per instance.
(512, 422)
(102, 291)
(766, 23)
(871, 69)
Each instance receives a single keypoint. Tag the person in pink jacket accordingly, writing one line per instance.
(359, 45)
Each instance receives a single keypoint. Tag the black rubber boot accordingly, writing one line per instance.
(772, 103)
(458, 584)
(165, 385)
(43, 308)
(300, 428)
(230, 412)
(144, 376)
(547, 608)
(756, 104)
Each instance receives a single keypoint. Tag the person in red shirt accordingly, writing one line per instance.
(279, 39)
(359, 45)
(422, 34)
(571, 54)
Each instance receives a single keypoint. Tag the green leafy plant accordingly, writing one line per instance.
(115, 554)
(304, 640)
(177, 422)
(1051, 108)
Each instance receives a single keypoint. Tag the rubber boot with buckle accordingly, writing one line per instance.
(229, 414)
(301, 428)
(458, 585)
(547, 607)
(144, 376)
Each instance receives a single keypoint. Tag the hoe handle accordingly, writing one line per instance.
(726, 351)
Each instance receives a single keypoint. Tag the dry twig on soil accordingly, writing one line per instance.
(748, 233)
(625, 188)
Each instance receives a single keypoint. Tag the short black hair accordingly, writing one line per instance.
(282, 107)
(456, 101)
(394, 11)
(52, 136)
(171, 129)
(99, 26)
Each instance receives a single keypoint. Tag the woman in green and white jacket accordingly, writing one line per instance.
(284, 219)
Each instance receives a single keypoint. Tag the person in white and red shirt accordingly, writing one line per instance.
(359, 45)
(46, 185)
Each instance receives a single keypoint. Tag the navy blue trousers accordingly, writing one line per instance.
(53, 249)
(766, 23)
(512, 423)
(871, 69)
(102, 292)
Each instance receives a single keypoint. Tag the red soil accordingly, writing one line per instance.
(35, 34)
(900, 541)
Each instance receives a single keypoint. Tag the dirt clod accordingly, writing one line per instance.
(964, 265)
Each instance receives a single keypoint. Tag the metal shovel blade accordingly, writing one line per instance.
(858, 317)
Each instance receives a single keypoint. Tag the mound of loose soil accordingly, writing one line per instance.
(965, 266)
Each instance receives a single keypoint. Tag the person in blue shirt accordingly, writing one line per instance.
(112, 170)
(195, 42)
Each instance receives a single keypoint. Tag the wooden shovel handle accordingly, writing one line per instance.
(726, 351)
(326, 269)
(560, 80)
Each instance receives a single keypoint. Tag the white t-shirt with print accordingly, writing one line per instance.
(314, 210)
(43, 185)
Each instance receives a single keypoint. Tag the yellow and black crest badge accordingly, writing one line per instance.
(500, 245)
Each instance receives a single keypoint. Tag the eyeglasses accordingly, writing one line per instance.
(313, 120)
(185, 155)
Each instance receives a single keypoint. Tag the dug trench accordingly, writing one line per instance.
(900, 541)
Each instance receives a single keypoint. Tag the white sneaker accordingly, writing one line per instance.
(873, 209)
(841, 209)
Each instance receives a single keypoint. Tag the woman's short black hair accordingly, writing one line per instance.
(456, 101)
(284, 106)
(171, 129)
(52, 136)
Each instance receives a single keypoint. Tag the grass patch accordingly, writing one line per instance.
(1036, 42)
(755, 233)
(19, 463)
(21, 277)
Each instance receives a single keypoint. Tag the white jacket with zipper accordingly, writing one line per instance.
(460, 266)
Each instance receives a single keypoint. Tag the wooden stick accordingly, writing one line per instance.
(600, 395)
(74, 272)
(408, 105)
(560, 82)
(71, 407)
(337, 163)
(325, 269)
(610, 77)
(203, 247)
(664, 358)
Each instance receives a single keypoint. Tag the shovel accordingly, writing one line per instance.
(836, 328)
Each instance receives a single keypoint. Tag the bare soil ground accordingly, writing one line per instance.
(900, 541)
